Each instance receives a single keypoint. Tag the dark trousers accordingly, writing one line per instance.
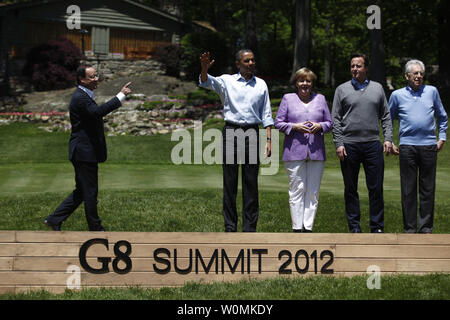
(418, 162)
(241, 149)
(370, 155)
(86, 189)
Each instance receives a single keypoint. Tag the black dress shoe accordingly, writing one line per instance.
(54, 227)
(377, 231)
(297, 230)
(307, 231)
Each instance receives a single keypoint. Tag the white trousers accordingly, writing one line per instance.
(304, 184)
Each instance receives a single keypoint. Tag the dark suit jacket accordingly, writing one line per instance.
(87, 140)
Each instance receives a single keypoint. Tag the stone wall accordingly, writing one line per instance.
(133, 118)
(111, 68)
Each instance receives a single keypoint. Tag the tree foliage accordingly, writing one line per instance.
(410, 29)
(338, 28)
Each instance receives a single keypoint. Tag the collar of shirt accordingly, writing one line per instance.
(360, 86)
(241, 78)
(415, 93)
(90, 93)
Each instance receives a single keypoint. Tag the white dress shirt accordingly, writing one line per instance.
(244, 102)
(121, 96)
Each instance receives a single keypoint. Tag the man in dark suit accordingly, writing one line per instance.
(87, 147)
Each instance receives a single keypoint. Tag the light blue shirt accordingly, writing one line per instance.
(416, 112)
(90, 93)
(244, 102)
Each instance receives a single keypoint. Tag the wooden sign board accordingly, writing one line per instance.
(55, 261)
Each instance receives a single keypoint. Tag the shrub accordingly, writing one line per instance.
(170, 56)
(52, 65)
(201, 96)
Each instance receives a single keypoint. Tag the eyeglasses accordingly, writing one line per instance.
(417, 73)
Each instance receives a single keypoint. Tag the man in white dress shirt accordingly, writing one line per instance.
(246, 105)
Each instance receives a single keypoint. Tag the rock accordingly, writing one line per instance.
(137, 96)
(158, 97)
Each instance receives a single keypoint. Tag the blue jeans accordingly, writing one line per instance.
(370, 155)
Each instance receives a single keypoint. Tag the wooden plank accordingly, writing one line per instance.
(423, 265)
(231, 250)
(208, 237)
(7, 236)
(250, 238)
(267, 264)
(146, 250)
(393, 251)
(32, 278)
(39, 249)
(361, 265)
(423, 239)
(255, 265)
(6, 263)
(224, 238)
(52, 236)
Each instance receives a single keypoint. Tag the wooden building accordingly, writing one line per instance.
(115, 29)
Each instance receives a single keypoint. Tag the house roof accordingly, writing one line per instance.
(4, 8)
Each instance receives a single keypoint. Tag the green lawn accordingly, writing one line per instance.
(141, 190)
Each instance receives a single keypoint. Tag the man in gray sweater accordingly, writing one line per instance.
(358, 107)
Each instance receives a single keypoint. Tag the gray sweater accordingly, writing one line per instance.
(356, 114)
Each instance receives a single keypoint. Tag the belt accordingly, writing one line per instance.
(241, 126)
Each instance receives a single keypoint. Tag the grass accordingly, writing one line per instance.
(429, 287)
(141, 190)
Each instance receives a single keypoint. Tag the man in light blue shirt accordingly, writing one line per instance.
(246, 105)
(416, 106)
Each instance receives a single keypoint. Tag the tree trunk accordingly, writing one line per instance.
(377, 53)
(251, 41)
(302, 34)
(327, 59)
(444, 48)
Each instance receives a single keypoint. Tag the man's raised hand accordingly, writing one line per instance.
(125, 90)
(205, 61)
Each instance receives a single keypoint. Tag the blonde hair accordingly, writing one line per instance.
(304, 73)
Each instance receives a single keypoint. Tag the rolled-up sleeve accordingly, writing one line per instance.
(267, 119)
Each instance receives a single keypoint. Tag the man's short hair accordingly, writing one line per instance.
(414, 62)
(81, 72)
(361, 55)
(239, 54)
